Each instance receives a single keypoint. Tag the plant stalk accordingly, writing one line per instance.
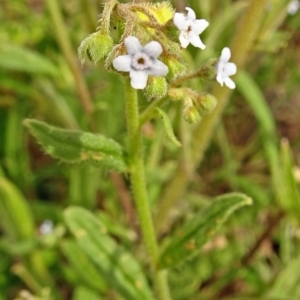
(138, 184)
(67, 50)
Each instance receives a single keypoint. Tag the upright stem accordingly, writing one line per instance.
(66, 47)
(241, 47)
(138, 184)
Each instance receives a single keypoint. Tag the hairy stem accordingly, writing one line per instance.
(241, 46)
(138, 184)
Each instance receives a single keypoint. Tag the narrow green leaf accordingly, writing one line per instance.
(83, 293)
(86, 271)
(118, 267)
(78, 146)
(15, 215)
(286, 285)
(291, 193)
(168, 127)
(189, 239)
(16, 58)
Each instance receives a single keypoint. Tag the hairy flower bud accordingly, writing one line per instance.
(205, 103)
(95, 46)
(157, 87)
(190, 112)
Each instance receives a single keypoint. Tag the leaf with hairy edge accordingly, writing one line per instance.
(168, 127)
(78, 146)
(189, 239)
(118, 267)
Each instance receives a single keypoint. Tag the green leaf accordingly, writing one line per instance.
(286, 285)
(15, 215)
(16, 58)
(83, 293)
(119, 268)
(189, 239)
(291, 193)
(78, 146)
(86, 271)
(168, 127)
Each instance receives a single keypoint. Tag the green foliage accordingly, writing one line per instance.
(16, 58)
(254, 151)
(118, 266)
(168, 127)
(76, 146)
(196, 232)
(16, 216)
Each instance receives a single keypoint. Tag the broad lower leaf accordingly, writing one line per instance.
(78, 146)
(189, 239)
(168, 127)
(118, 267)
(15, 215)
(16, 58)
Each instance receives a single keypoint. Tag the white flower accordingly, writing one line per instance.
(293, 7)
(190, 28)
(46, 227)
(140, 62)
(225, 69)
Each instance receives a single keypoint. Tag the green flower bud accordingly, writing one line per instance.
(157, 87)
(176, 94)
(176, 66)
(205, 103)
(95, 46)
(190, 112)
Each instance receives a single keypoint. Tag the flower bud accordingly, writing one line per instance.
(176, 66)
(205, 103)
(190, 112)
(156, 88)
(176, 94)
(95, 46)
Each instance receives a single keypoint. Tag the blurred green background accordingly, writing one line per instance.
(255, 149)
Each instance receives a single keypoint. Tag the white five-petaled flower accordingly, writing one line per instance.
(140, 62)
(293, 7)
(190, 28)
(225, 69)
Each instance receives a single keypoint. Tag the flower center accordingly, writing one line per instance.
(140, 61)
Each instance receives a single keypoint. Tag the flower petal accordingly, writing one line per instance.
(199, 26)
(132, 45)
(195, 41)
(184, 42)
(191, 14)
(138, 79)
(225, 55)
(179, 21)
(122, 63)
(220, 79)
(230, 68)
(228, 81)
(158, 69)
(153, 49)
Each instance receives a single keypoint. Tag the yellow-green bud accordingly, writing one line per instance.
(176, 94)
(176, 66)
(190, 112)
(205, 103)
(95, 46)
(157, 87)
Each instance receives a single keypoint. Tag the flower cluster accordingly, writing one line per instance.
(149, 50)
